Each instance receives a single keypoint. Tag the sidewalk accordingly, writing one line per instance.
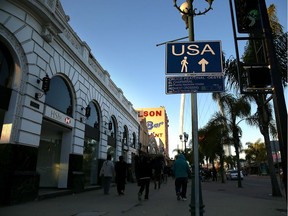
(219, 199)
(250, 200)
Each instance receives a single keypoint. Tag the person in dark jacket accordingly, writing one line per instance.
(121, 174)
(143, 171)
(181, 171)
(157, 171)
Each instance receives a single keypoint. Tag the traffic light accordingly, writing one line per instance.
(258, 77)
(248, 16)
(46, 84)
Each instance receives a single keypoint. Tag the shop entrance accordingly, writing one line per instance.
(49, 154)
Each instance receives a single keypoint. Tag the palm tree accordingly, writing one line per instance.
(263, 118)
(230, 161)
(235, 108)
(256, 153)
(188, 153)
(213, 136)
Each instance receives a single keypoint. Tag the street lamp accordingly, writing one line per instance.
(185, 139)
(188, 13)
(185, 136)
(181, 137)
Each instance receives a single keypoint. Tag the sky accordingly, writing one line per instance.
(123, 37)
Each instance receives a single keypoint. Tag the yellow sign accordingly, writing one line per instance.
(156, 121)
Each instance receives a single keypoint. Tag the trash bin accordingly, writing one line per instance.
(77, 182)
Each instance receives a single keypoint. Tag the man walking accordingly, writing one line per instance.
(181, 173)
(121, 171)
(107, 172)
(143, 174)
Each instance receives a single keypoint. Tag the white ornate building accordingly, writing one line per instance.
(60, 112)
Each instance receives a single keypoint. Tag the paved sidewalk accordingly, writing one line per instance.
(250, 200)
(219, 199)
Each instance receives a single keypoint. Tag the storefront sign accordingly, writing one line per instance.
(58, 116)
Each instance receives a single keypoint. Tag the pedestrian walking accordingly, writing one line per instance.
(166, 173)
(214, 173)
(107, 172)
(143, 171)
(181, 172)
(121, 174)
(157, 171)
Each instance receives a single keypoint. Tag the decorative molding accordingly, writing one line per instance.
(48, 33)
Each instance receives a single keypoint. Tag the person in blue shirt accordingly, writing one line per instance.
(181, 172)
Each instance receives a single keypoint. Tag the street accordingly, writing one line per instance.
(219, 199)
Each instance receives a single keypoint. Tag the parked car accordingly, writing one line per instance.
(233, 174)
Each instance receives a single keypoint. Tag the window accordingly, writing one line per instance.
(59, 96)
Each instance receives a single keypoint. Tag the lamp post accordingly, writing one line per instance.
(181, 137)
(188, 13)
(185, 139)
(185, 136)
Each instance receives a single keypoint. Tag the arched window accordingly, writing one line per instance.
(59, 96)
(6, 66)
(6, 76)
(94, 118)
(133, 144)
(125, 136)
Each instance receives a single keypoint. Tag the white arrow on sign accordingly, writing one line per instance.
(203, 63)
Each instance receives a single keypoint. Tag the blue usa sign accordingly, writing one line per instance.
(194, 58)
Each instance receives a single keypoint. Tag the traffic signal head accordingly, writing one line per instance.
(248, 16)
(259, 77)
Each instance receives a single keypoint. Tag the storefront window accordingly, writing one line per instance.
(90, 160)
(91, 145)
(93, 119)
(6, 66)
(59, 96)
(6, 72)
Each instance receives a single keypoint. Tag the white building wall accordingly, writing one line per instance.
(44, 43)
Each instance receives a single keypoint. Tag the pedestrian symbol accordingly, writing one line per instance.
(184, 64)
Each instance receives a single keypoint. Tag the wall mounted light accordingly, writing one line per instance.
(45, 86)
(87, 111)
(109, 125)
(96, 124)
(69, 111)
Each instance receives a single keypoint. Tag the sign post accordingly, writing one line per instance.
(194, 67)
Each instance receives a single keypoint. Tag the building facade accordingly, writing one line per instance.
(60, 111)
(157, 124)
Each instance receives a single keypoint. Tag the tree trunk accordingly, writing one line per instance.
(238, 165)
(264, 130)
(274, 182)
(223, 177)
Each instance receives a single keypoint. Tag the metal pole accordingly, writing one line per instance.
(181, 123)
(278, 95)
(194, 121)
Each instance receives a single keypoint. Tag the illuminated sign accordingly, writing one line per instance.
(155, 120)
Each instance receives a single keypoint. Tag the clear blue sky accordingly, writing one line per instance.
(123, 36)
